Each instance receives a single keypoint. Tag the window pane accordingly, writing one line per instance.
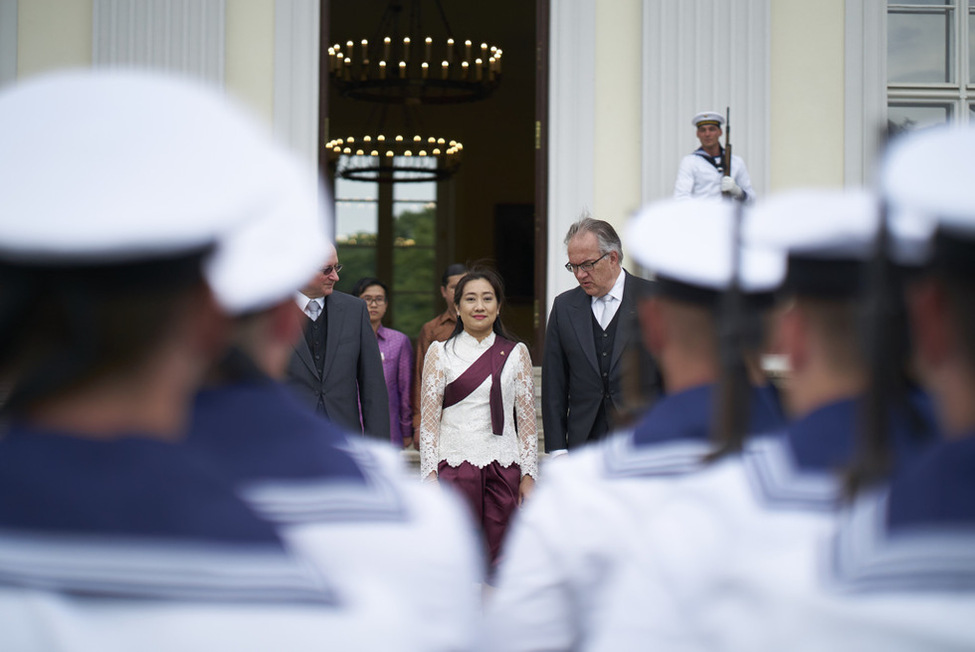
(919, 47)
(356, 226)
(907, 117)
(971, 48)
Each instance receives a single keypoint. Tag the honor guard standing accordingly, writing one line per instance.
(113, 535)
(705, 172)
(570, 547)
(342, 500)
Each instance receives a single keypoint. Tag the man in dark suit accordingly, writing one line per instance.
(596, 374)
(336, 367)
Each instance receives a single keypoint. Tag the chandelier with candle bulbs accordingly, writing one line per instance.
(406, 61)
(406, 64)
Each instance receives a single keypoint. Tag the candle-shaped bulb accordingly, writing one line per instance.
(446, 69)
(402, 69)
(406, 48)
(424, 69)
(450, 50)
(386, 44)
(428, 48)
(467, 49)
(382, 70)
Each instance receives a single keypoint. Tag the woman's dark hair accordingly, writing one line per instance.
(452, 270)
(364, 282)
(492, 277)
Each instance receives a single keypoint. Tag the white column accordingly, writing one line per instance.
(866, 87)
(296, 40)
(572, 54)
(702, 55)
(185, 36)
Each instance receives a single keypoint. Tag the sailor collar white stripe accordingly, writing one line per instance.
(621, 459)
(157, 569)
(778, 482)
(310, 501)
(864, 556)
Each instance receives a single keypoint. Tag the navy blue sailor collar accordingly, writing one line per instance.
(800, 469)
(916, 535)
(135, 517)
(687, 415)
(291, 465)
(674, 436)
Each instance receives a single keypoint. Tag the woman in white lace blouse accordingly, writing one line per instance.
(477, 410)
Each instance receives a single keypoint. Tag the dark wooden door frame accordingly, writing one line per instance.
(542, 12)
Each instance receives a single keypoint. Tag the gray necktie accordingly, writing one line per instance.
(313, 310)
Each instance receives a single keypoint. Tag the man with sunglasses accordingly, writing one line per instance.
(336, 366)
(596, 374)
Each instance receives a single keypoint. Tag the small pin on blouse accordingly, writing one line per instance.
(502, 352)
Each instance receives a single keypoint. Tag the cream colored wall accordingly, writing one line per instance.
(807, 93)
(52, 34)
(618, 102)
(249, 71)
(57, 34)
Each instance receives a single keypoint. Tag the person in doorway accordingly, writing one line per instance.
(477, 423)
(397, 356)
(336, 368)
(437, 329)
(595, 367)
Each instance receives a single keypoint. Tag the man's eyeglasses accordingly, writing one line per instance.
(586, 266)
(331, 268)
(373, 300)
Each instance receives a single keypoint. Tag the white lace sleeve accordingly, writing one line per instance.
(432, 385)
(525, 413)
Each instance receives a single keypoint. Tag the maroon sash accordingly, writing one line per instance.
(490, 363)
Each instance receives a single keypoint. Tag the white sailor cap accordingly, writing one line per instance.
(271, 257)
(114, 167)
(689, 243)
(926, 179)
(118, 167)
(708, 118)
(828, 236)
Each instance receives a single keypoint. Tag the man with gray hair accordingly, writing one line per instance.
(596, 374)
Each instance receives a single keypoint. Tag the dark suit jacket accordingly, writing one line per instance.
(353, 370)
(572, 388)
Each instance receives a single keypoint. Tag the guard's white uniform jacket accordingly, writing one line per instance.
(649, 549)
(133, 544)
(347, 505)
(698, 177)
(571, 544)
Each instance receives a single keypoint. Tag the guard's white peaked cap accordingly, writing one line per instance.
(116, 166)
(692, 240)
(708, 116)
(927, 179)
(820, 223)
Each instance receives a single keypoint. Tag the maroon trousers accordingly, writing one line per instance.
(491, 493)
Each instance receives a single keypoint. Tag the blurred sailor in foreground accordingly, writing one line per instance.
(395, 549)
(113, 535)
(732, 560)
(572, 543)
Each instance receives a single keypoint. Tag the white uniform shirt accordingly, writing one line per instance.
(696, 177)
